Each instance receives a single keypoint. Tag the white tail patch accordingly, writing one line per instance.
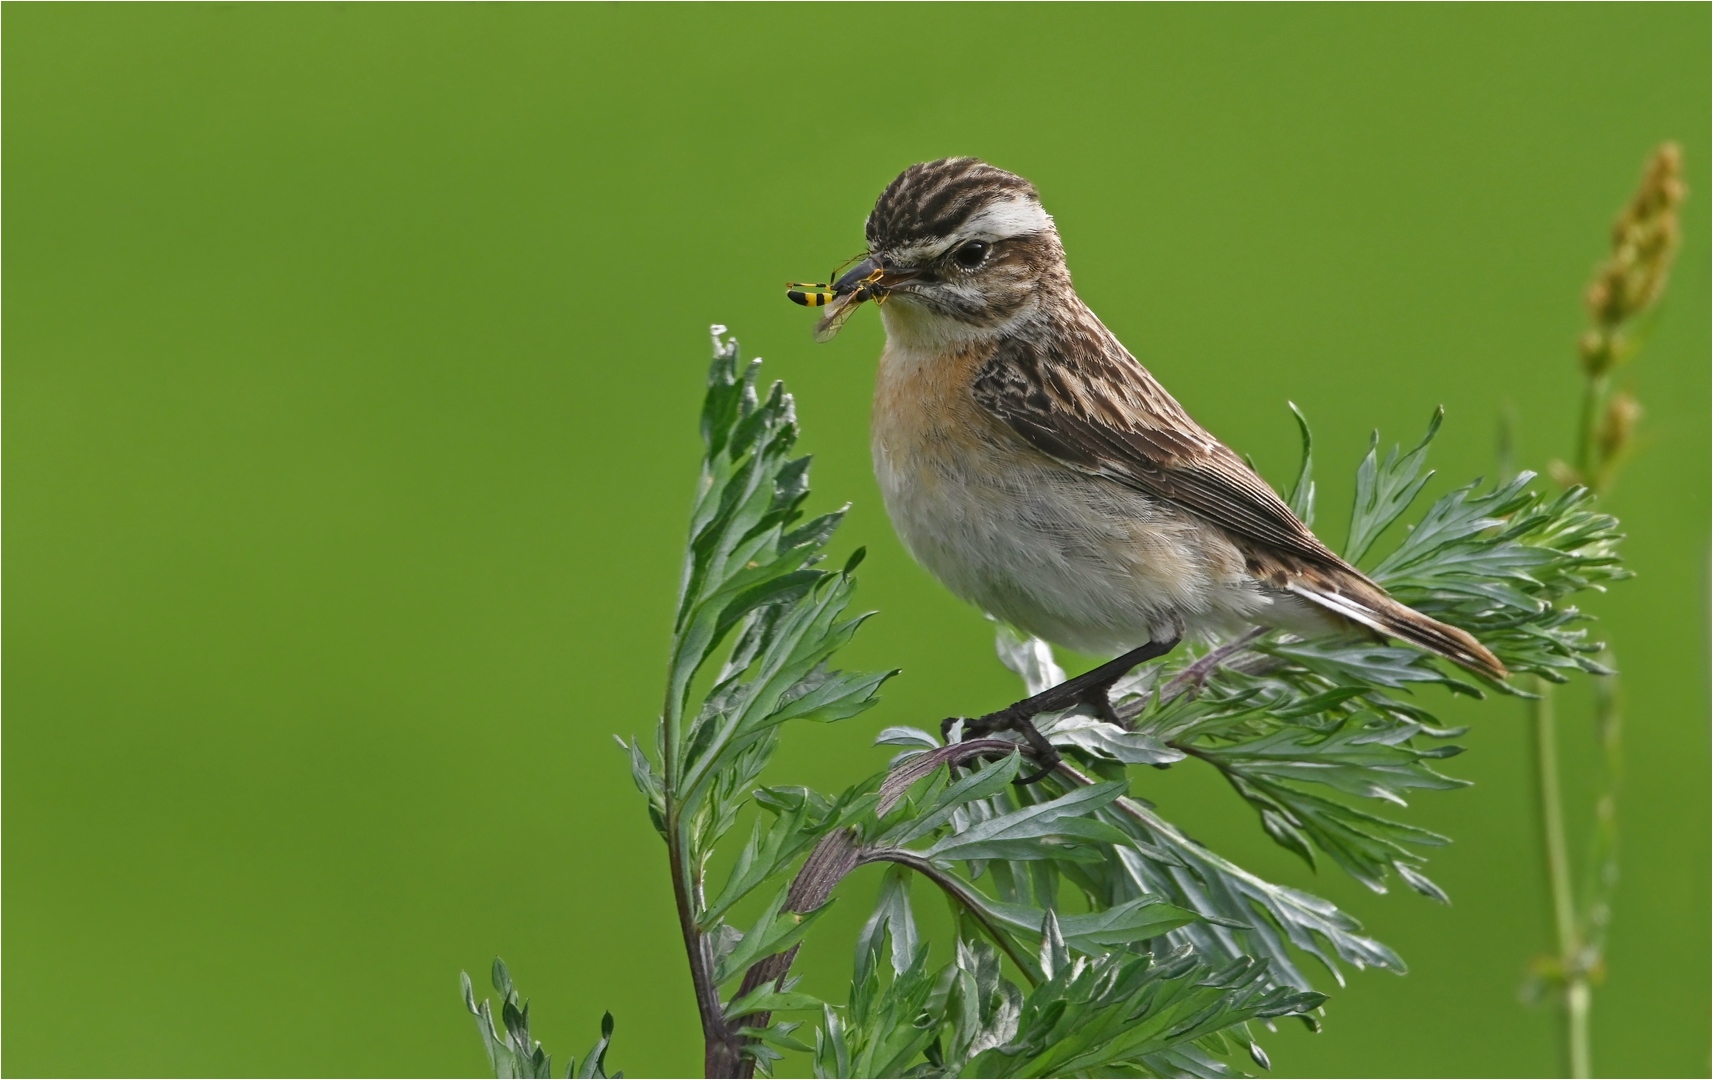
(1394, 620)
(1343, 605)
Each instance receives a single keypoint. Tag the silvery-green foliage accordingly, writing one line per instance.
(1300, 729)
(513, 1053)
(1093, 937)
(1085, 1011)
(750, 572)
(1305, 731)
(757, 625)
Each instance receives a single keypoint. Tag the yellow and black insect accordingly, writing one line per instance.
(843, 296)
(821, 293)
(809, 293)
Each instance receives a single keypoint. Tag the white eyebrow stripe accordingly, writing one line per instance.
(1006, 219)
(1003, 220)
(921, 251)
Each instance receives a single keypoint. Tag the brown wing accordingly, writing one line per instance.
(1102, 413)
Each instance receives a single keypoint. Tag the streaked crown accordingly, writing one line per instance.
(929, 202)
(966, 249)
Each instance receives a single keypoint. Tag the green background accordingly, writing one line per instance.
(353, 356)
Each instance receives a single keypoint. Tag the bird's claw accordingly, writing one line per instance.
(1099, 699)
(1043, 750)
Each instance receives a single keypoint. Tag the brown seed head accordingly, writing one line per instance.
(1645, 239)
(1619, 424)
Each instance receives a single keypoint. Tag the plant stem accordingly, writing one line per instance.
(1602, 871)
(719, 1056)
(1644, 242)
(833, 857)
(1547, 789)
(953, 888)
(1578, 996)
(1593, 396)
(717, 1050)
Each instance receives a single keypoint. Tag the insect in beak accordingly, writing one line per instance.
(867, 280)
(809, 293)
(859, 283)
(864, 277)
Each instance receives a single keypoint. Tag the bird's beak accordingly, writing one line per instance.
(872, 272)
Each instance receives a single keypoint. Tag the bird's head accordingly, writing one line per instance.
(963, 251)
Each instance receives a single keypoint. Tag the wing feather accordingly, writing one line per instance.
(1104, 414)
(1100, 412)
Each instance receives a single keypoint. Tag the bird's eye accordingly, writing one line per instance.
(971, 254)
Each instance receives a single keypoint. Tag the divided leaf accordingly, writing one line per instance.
(514, 1054)
(1167, 950)
(1384, 490)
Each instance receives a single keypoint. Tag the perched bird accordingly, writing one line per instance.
(1038, 470)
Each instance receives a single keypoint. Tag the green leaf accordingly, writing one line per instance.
(1123, 1013)
(1105, 740)
(1055, 956)
(1019, 834)
(1301, 496)
(1500, 564)
(1132, 921)
(886, 1029)
(768, 999)
(747, 570)
(1364, 755)
(648, 781)
(982, 1007)
(906, 736)
(979, 784)
(510, 1050)
(832, 1055)
(1030, 658)
(777, 1036)
(595, 1062)
(1366, 663)
(1365, 845)
(892, 919)
(776, 931)
(794, 831)
(1384, 490)
(1259, 917)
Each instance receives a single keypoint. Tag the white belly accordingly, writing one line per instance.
(1078, 560)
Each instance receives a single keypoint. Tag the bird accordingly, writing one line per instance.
(1041, 473)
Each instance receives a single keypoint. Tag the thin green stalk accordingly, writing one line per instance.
(1601, 876)
(721, 1056)
(1568, 934)
(1587, 432)
(962, 896)
(1578, 996)
(1627, 285)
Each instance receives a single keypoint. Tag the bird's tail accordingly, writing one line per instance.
(1363, 602)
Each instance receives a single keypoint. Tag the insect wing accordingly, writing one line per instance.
(837, 313)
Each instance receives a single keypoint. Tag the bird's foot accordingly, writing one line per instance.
(1099, 699)
(1008, 719)
(1089, 688)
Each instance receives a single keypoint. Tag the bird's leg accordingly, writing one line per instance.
(1088, 688)
(1099, 698)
